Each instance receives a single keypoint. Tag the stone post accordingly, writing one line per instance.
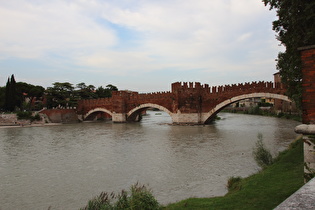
(308, 109)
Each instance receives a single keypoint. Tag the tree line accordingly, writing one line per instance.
(21, 96)
(295, 28)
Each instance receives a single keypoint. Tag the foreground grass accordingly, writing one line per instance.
(264, 190)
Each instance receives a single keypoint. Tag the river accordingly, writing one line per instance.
(64, 166)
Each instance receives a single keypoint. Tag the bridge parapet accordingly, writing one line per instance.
(186, 100)
(87, 104)
(241, 87)
(190, 86)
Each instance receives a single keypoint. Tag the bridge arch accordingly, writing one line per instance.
(227, 102)
(145, 106)
(97, 110)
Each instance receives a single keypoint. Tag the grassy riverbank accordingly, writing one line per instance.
(257, 111)
(264, 190)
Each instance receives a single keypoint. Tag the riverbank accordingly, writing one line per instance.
(264, 112)
(264, 190)
(11, 121)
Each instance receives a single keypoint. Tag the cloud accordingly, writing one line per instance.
(35, 30)
(122, 38)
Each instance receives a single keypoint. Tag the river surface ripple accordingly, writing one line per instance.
(64, 166)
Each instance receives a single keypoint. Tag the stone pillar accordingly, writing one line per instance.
(308, 109)
(119, 117)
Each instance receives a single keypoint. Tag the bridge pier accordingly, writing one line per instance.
(119, 117)
(189, 118)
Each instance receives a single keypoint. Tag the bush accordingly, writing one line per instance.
(262, 155)
(254, 110)
(139, 197)
(24, 115)
(27, 116)
(234, 183)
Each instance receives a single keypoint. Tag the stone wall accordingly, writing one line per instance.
(186, 99)
(308, 108)
(61, 115)
(308, 84)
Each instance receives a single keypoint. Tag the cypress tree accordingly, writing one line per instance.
(13, 93)
(10, 94)
(7, 95)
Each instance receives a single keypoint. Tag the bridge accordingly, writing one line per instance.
(186, 103)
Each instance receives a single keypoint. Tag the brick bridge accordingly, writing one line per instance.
(185, 103)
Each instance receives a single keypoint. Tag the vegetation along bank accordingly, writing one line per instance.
(264, 190)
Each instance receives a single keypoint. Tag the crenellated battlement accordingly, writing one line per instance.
(185, 99)
(205, 88)
(244, 87)
(182, 86)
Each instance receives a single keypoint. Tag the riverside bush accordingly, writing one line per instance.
(27, 116)
(234, 183)
(261, 154)
(24, 115)
(139, 197)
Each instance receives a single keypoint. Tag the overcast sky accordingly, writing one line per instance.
(140, 45)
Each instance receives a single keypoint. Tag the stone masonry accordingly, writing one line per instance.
(191, 103)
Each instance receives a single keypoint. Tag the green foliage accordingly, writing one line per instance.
(21, 95)
(261, 154)
(24, 115)
(61, 94)
(234, 183)
(25, 90)
(10, 95)
(2, 98)
(27, 115)
(65, 95)
(255, 110)
(265, 104)
(295, 28)
(139, 197)
(15, 94)
(106, 92)
(264, 190)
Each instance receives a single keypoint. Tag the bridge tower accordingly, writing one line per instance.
(188, 101)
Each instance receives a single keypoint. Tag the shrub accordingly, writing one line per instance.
(261, 154)
(27, 116)
(234, 183)
(24, 115)
(35, 117)
(139, 197)
(255, 110)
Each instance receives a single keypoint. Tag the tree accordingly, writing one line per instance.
(105, 92)
(86, 92)
(112, 87)
(10, 94)
(61, 94)
(7, 95)
(27, 91)
(2, 98)
(295, 28)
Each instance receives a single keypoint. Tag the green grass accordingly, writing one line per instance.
(264, 190)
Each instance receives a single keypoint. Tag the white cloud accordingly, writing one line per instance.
(213, 36)
(34, 30)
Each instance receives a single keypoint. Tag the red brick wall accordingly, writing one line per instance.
(61, 115)
(308, 84)
(184, 97)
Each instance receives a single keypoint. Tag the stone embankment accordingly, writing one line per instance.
(47, 117)
(12, 120)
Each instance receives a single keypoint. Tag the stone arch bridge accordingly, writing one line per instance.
(190, 103)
